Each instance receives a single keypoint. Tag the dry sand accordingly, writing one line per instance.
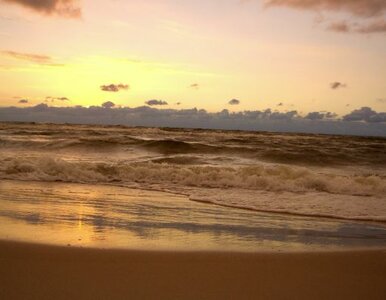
(29, 271)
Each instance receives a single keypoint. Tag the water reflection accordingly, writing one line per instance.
(108, 216)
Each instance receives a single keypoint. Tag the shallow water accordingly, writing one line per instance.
(118, 217)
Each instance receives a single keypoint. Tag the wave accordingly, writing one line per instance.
(275, 189)
(256, 177)
(179, 160)
(68, 143)
(292, 156)
(175, 147)
(312, 150)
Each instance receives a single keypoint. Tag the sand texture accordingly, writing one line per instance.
(29, 271)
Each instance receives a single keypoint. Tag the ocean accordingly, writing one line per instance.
(166, 187)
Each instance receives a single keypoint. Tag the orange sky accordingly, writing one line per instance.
(199, 53)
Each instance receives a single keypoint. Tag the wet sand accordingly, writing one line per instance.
(32, 271)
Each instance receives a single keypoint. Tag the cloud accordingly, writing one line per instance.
(42, 107)
(195, 86)
(337, 85)
(35, 58)
(369, 14)
(108, 104)
(156, 102)
(23, 101)
(330, 115)
(280, 104)
(320, 115)
(360, 8)
(62, 8)
(52, 99)
(315, 116)
(281, 116)
(377, 26)
(340, 26)
(62, 99)
(381, 100)
(364, 121)
(234, 102)
(365, 114)
(114, 87)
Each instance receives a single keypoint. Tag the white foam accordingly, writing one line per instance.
(282, 189)
(303, 204)
(277, 178)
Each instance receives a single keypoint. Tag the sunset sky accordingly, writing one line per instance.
(304, 55)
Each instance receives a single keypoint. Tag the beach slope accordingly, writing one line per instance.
(31, 271)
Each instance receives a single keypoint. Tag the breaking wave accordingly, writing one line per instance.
(257, 177)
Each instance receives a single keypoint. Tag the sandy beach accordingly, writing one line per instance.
(32, 271)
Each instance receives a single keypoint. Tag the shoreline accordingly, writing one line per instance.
(357, 219)
(39, 271)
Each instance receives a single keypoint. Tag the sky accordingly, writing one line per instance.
(306, 56)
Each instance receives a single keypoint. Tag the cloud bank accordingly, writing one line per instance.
(320, 115)
(366, 114)
(363, 121)
(108, 104)
(62, 8)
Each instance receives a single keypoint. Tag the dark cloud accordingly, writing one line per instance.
(360, 8)
(42, 107)
(23, 101)
(194, 86)
(381, 100)
(368, 122)
(62, 8)
(337, 85)
(315, 116)
(234, 102)
(178, 103)
(280, 104)
(330, 115)
(320, 115)
(281, 116)
(108, 104)
(114, 87)
(156, 102)
(365, 114)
